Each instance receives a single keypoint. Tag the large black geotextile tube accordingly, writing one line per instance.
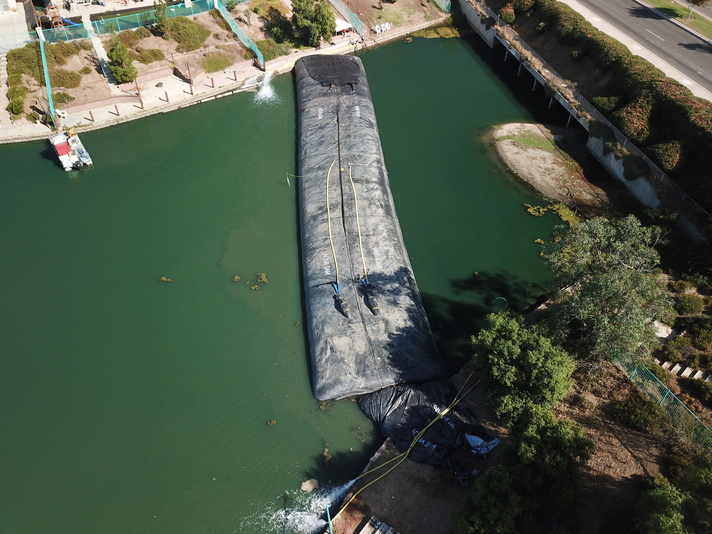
(363, 337)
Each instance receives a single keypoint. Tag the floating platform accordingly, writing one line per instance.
(367, 326)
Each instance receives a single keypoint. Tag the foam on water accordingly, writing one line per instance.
(301, 513)
(266, 92)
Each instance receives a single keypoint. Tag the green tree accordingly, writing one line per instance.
(493, 507)
(696, 3)
(313, 20)
(522, 365)
(547, 455)
(120, 63)
(161, 18)
(609, 289)
(659, 511)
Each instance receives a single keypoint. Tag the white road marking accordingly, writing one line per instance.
(656, 35)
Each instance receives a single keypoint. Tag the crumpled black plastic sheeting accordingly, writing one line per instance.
(333, 70)
(402, 411)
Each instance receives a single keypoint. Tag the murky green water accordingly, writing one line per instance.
(131, 405)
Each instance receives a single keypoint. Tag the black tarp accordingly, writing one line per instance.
(349, 228)
(402, 411)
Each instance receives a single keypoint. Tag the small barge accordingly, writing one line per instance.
(70, 150)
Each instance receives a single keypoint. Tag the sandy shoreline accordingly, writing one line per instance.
(531, 152)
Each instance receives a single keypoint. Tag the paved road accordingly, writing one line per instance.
(689, 54)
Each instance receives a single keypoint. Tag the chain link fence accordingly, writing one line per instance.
(120, 23)
(681, 417)
(350, 17)
(445, 5)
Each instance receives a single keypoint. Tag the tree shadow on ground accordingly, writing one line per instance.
(454, 322)
(646, 13)
(697, 47)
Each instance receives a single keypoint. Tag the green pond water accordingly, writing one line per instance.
(128, 405)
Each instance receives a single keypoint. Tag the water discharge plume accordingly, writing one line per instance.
(266, 92)
(304, 513)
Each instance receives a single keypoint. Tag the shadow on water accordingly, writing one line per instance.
(343, 466)
(454, 322)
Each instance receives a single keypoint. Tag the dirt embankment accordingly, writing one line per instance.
(534, 154)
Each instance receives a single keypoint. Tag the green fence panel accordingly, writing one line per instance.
(445, 5)
(241, 34)
(48, 82)
(10, 41)
(681, 417)
(148, 18)
(350, 17)
(65, 33)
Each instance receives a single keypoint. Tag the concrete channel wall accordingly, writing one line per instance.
(650, 185)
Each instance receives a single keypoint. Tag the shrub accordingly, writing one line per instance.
(15, 107)
(667, 155)
(65, 78)
(215, 62)
(85, 70)
(659, 510)
(673, 349)
(661, 374)
(25, 60)
(62, 98)
(59, 52)
(686, 304)
(219, 19)
(129, 38)
(606, 104)
(142, 32)
(604, 49)
(633, 75)
(17, 93)
(522, 6)
(188, 34)
(633, 120)
(507, 15)
(279, 27)
(270, 49)
(639, 412)
(147, 55)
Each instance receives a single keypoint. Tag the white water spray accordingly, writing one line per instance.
(266, 92)
(302, 513)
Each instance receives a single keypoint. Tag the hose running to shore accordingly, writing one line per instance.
(336, 286)
(402, 456)
(358, 227)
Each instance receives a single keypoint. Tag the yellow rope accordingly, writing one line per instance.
(328, 221)
(358, 226)
(402, 456)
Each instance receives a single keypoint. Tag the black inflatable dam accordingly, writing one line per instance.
(367, 326)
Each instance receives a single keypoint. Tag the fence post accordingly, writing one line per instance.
(667, 392)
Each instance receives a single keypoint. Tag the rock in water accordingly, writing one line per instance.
(310, 485)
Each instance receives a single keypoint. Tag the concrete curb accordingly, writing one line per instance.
(675, 22)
